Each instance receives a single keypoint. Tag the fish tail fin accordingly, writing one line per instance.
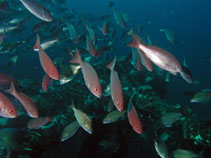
(76, 58)
(136, 40)
(111, 64)
(12, 89)
(37, 43)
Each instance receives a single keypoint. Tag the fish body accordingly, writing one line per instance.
(158, 56)
(69, 131)
(161, 149)
(90, 76)
(46, 82)
(91, 34)
(90, 46)
(112, 116)
(169, 118)
(46, 62)
(6, 80)
(7, 109)
(37, 9)
(181, 153)
(73, 34)
(83, 120)
(170, 36)
(37, 123)
(26, 102)
(186, 75)
(134, 120)
(47, 44)
(203, 96)
(136, 59)
(115, 86)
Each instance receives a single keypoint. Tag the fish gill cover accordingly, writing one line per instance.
(71, 86)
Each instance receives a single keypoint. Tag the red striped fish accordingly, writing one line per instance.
(26, 101)
(90, 76)
(46, 62)
(115, 86)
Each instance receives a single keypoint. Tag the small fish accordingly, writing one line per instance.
(7, 109)
(115, 86)
(158, 56)
(46, 82)
(46, 62)
(186, 73)
(136, 60)
(7, 29)
(6, 80)
(161, 148)
(73, 34)
(169, 118)
(105, 27)
(37, 123)
(119, 19)
(91, 34)
(84, 121)
(201, 97)
(113, 116)
(90, 76)
(69, 131)
(90, 46)
(13, 61)
(47, 44)
(181, 153)
(37, 9)
(170, 36)
(134, 119)
(27, 102)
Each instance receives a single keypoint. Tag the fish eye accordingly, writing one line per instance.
(11, 111)
(118, 103)
(52, 73)
(95, 89)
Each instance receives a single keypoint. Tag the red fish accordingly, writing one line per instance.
(26, 101)
(46, 82)
(116, 88)
(7, 109)
(158, 56)
(134, 120)
(145, 61)
(90, 76)
(37, 9)
(90, 46)
(6, 80)
(37, 123)
(105, 27)
(46, 62)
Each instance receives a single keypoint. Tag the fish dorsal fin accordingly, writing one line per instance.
(76, 58)
(111, 65)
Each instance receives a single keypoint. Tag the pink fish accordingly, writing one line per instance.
(26, 102)
(105, 27)
(46, 82)
(6, 80)
(158, 56)
(37, 123)
(7, 109)
(46, 62)
(115, 86)
(89, 74)
(134, 120)
(90, 46)
(145, 61)
(37, 9)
